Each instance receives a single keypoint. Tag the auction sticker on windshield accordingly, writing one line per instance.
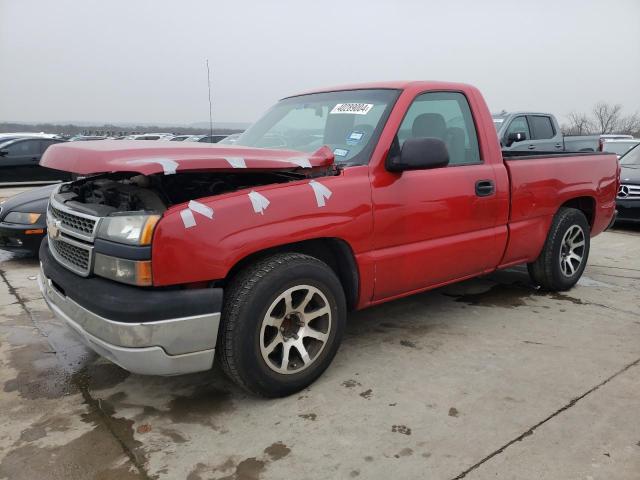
(352, 108)
(354, 138)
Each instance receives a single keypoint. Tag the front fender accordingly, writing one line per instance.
(210, 248)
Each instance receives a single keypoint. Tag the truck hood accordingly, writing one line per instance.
(149, 157)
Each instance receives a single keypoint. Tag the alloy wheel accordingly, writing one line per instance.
(295, 329)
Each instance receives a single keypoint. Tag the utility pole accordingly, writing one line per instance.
(210, 103)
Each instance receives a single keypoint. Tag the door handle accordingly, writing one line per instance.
(531, 147)
(484, 188)
(558, 145)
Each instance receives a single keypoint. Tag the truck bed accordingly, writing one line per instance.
(540, 181)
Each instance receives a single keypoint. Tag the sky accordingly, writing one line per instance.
(144, 61)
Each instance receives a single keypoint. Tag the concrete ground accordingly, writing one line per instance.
(481, 380)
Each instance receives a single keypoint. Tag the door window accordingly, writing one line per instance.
(447, 117)
(542, 127)
(24, 147)
(519, 125)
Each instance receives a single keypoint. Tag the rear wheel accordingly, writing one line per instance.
(282, 324)
(565, 253)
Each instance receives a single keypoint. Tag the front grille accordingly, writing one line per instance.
(73, 222)
(72, 256)
(629, 192)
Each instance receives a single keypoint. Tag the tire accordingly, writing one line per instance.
(558, 268)
(289, 300)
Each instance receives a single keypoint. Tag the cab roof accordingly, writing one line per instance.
(392, 85)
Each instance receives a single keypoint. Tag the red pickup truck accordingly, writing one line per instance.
(335, 200)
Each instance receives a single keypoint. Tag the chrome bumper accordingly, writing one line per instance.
(166, 347)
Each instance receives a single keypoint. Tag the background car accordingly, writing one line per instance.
(524, 131)
(211, 138)
(86, 138)
(193, 138)
(230, 140)
(628, 199)
(20, 158)
(590, 143)
(23, 221)
(4, 137)
(180, 138)
(152, 136)
(619, 146)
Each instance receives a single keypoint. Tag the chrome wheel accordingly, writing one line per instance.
(295, 329)
(572, 250)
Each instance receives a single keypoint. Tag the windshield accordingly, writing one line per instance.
(619, 148)
(347, 121)
(631, 158)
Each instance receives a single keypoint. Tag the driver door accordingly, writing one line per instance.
(435, 226)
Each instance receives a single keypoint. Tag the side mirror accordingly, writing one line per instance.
(419, 154)
(514, 137)
(4, 153)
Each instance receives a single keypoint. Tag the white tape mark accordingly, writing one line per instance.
(201, 209)
(236, 162)
(169, 166)
(187, 214)
(322, 192)
(187, 218)
(301, 162)
(259, 202)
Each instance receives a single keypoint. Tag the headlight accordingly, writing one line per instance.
(133, 272)
(22, 218)
(130, 229)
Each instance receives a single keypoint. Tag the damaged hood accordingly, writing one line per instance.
(149, 157)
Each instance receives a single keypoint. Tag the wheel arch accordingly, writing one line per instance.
(585, 204)
(335, 252)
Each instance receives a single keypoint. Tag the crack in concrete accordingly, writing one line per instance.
(608, 307)
(631, 234)
(92, 403)
(618, 276)
(616, 268)
(107, 420)
(532, 429)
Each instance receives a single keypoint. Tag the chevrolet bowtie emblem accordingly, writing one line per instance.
(54, 228)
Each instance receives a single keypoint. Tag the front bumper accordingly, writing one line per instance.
(160, 346)
(628, 210)
(14, 237)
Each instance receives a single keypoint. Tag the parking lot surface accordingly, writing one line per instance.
(489, 378)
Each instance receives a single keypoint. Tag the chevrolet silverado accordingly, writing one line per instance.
(167, 255)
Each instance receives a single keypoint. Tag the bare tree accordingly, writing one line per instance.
(579, 124)
(629, 125)
(607, 117)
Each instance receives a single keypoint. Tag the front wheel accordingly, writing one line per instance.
(282, 324)
(565, 253)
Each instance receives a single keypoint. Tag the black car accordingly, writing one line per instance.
(212, 138)
(628, 201)
(23, 221)
(20, 158)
